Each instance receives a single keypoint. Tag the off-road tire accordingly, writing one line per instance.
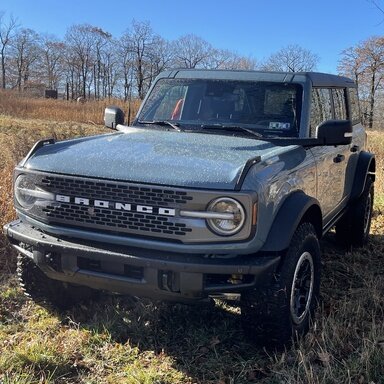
(49, 293)
(353, 228)
(275, 316)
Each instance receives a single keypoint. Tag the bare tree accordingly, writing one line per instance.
(80, 59)
(126, 55)
(52, 61)
(71, 74)
(372, 53)
(160, 58)
(191, 51)
(101, 78)
(365, 63)
(351, 64)
(6, 31)
(226, 59)
(25, 52)
(292, 58)
(219, 59)
(140, 47)
(246, 63)
(110, 68)
(377, 5)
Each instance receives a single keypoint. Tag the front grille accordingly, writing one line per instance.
(117, 192)
(106, 218)
(135, 212)
(118, 220)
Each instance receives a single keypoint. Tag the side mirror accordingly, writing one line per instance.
(113, 116)
(335, 132)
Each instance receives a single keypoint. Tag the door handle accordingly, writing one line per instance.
(355, 148)
(338, 158)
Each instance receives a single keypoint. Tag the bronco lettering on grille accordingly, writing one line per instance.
(116, 205)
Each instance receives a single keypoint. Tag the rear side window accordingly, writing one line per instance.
(327, 104)
(321, 108)
(354, 105)
(338, 95)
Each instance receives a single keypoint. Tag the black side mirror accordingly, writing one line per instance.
(335, 132)
(113, 116)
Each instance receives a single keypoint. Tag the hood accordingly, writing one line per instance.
(182, 159)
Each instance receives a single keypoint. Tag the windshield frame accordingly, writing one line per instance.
(260, 89)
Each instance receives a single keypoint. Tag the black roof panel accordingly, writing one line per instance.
(317, 79)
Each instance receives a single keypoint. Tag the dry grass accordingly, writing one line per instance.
(16, 138)
(123, 340)
(117, 340)
(376, 145)
(20, 106)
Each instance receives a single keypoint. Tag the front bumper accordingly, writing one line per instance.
(140, 272)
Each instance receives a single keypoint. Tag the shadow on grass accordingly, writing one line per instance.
(206, 341)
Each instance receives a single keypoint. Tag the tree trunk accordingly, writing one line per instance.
(372, 99)
(3, 69)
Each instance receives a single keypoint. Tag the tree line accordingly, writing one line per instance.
(364, 63)
(90, 63)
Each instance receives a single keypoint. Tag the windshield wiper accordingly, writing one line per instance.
(175, 126)
(232, 126)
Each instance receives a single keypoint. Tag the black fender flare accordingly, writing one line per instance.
(366, 165)
(296, 208)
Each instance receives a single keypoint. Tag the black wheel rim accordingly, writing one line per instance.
(302, 288)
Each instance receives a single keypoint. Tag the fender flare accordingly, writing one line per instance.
(366, 165)
(294, 209)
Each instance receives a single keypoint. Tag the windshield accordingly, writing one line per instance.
(269, 109)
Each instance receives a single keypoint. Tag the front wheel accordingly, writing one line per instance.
(282, 311)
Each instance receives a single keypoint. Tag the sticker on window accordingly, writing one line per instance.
(279, 126)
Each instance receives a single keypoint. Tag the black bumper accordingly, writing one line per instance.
(139, 272)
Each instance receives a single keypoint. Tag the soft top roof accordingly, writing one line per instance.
(315, 78)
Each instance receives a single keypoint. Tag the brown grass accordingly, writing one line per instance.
(21, 106)
(17, 136)
(23, 121)
(376, 146)
(119, 340)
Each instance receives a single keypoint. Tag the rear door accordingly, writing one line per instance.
(332, 161)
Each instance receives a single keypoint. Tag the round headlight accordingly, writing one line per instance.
(27, 193)
(23, 185)
(232, 218)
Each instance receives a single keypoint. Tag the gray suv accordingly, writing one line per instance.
(222, 186)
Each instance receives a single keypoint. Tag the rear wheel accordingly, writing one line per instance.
(353, 228)
(282, 312)
(48, 292)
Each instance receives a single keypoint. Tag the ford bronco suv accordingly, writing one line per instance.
(222, 186)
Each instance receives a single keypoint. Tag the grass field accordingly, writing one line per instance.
(125, 340)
